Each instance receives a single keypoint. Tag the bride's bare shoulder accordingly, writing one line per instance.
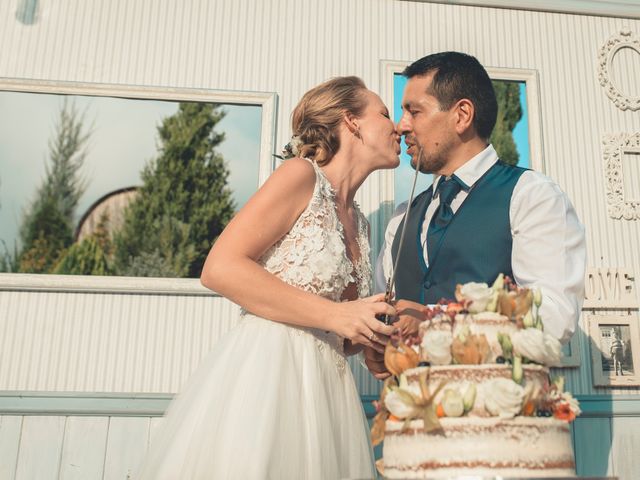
(289, 187)
(296, 170)
(295, 178)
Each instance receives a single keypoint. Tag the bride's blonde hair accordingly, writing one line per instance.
(316, 118)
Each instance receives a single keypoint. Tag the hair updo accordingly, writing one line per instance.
(316, 118)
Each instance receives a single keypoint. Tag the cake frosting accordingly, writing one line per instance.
(472, 394)
(535, 447)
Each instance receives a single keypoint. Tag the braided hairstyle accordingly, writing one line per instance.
(316, 118)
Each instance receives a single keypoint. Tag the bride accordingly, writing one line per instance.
(276, 398)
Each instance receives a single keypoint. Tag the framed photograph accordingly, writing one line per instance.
(615, 350)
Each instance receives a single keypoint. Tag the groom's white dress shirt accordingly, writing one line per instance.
(548, 252)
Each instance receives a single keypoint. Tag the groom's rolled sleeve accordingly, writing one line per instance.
(549, 251)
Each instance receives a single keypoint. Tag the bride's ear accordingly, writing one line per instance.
(352, 124)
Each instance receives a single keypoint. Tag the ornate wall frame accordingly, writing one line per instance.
(624, 39)
(614, 146)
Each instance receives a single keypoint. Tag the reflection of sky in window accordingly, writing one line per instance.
(124, 137)
(403, 175)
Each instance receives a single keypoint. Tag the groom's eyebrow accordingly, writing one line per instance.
(407, 105)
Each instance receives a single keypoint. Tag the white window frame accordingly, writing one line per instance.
(179, 286)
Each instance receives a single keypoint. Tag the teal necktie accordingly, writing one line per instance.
(447, 191)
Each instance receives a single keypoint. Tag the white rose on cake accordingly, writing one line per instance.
(537, 346)
(437, 345)
(502, 397)
(475, 295)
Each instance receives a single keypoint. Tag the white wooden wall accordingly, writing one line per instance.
(114, 339)
(47, 447)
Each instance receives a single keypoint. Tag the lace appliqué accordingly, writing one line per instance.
(312, 256)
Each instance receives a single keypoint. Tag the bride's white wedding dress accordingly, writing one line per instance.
(272, 400)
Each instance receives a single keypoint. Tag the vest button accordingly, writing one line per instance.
(427, 284)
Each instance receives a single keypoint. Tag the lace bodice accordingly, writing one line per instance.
(313, 255)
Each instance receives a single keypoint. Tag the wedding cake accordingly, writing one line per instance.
(471, 394)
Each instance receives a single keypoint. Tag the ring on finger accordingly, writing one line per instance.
(373, 338)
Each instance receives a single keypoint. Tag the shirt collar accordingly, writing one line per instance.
(469, 173)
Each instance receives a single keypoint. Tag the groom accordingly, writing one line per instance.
(480, 217)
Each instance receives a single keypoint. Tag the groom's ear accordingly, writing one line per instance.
(464, 114)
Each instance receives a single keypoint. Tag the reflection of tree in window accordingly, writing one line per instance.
(164, 228)
(184, 202)
(509, 114)
(46, 229)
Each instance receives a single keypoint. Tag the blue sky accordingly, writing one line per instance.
(124, 138)
(404, 173)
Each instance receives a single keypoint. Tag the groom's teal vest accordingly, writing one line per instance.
(476, 247)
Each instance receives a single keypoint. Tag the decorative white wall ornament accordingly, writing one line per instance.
(615, 146)
(624, 39)
(609, 288)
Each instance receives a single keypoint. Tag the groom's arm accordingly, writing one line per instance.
(549, 251)
(384, 263)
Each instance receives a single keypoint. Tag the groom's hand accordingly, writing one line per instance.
(409, 316)
(375, 363)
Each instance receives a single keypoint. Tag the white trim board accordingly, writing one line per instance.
(99, 284)
(80, 404)
(607, 8)
(149, 404)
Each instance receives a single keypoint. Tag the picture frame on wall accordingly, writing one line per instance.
(615, 350)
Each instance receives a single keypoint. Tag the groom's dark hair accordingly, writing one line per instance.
(458, 76)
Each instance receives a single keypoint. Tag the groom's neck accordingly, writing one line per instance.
(461, 154)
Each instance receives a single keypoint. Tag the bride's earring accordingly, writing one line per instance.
(356, 133)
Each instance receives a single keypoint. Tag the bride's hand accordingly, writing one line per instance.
(356, 320)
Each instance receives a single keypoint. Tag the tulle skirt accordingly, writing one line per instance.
(270, 402)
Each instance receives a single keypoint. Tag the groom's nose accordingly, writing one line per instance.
(404, 126)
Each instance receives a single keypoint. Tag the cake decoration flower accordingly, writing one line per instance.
(537, 346)
(400, 358)
(475, 296)
(470, 349)
(503, 397)
(469, 397)
(436, 347)
(562, 405)
(452, 403)
(407, 402)
(513, 301)
(382, 413)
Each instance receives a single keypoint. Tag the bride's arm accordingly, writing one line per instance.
(231, 268)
